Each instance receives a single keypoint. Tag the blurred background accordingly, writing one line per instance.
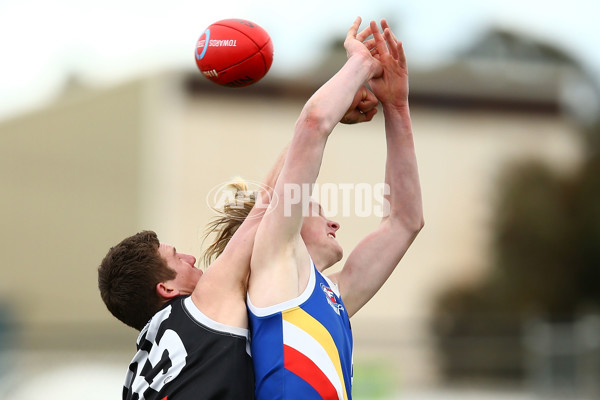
(107, 128)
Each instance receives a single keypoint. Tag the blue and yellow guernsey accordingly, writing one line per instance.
(302, 348)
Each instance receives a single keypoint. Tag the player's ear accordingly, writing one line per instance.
(166, 291)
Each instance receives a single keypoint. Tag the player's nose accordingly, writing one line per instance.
(190, 259)
(333, 225)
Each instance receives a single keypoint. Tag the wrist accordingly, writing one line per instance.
(367, 65)
(398, 116)
(402, 109)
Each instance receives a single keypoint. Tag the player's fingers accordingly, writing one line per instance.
(354, 28)
(365, 107)
(368, 101)
(369, 115)
(401, 55)
(391, 43)
(384, 25)
(352, 117)
(370, 44)
(365, 33)
(379, 41)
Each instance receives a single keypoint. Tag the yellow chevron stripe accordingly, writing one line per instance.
(304, 321)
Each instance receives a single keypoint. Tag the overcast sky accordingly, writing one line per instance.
(105, 42)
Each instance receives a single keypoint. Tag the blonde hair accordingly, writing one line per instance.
(228, 220)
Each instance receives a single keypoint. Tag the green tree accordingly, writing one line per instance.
(545, 263)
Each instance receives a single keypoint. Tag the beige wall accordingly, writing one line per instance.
(70, 186)
(83, 173)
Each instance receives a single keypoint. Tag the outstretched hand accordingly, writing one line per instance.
(391, 87)
(355, 47)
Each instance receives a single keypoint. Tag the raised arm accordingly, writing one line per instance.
(221, 292)
(373, 260)
(279, 258)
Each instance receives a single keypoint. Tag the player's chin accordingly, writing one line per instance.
(338, 253)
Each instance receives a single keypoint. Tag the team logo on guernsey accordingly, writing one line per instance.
(331, 299)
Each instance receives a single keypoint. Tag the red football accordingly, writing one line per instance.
(234, 52)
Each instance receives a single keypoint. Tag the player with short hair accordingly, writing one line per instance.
(194, 340)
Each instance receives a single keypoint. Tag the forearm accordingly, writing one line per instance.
(266, 191)
(374, 259)
(402, 173)
(317, 119)
(275, 170)
(319, 116)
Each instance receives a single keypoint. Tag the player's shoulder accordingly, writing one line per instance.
(234, 323)
(166, 312)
